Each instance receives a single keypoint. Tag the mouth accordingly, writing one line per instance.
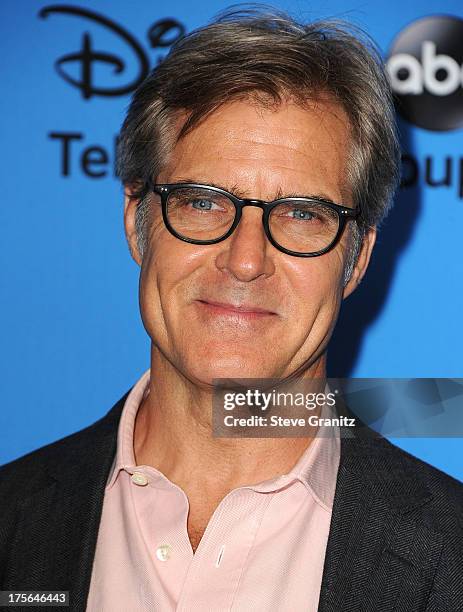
(245, 311)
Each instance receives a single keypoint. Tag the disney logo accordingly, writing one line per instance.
(162, 33)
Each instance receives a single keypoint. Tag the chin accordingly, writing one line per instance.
(229, 367)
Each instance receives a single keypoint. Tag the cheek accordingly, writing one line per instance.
(157, 288)
(317, 282)
(153, 273)
(148, 290)
(169, 268)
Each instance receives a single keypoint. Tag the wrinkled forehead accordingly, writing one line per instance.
(294, 143)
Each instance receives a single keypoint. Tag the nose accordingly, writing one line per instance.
(247, 253)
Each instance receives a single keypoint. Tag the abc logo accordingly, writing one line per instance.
(425, 68)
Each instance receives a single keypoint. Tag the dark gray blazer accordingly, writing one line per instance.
(395, 543)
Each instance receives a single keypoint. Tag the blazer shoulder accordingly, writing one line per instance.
(434, 476)
(445, 491)
(31, 472)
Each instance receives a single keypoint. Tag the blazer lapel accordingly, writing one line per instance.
(57, 525)
(374, 558)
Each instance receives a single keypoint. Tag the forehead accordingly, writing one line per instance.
(247, 144)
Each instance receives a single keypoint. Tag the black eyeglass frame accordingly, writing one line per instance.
(344, 213)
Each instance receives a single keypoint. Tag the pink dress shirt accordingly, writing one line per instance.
(263, 548)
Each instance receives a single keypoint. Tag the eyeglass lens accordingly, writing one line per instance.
(303, 226)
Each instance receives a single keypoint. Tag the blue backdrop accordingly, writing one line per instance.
(73, 341)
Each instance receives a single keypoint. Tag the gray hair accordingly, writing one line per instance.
(265, 55)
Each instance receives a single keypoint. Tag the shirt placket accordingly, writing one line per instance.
(162, 509)
(214, 574)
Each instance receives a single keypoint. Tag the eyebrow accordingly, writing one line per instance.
(236, 191)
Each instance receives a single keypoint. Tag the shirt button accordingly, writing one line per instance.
(139, 479)
(163, 552)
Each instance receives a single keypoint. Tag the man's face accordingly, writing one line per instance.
(241, 308)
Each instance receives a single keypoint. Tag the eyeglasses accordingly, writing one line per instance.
(299, 226)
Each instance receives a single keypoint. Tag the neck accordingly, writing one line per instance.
(173, 432)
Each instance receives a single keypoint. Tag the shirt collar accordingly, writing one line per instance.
(125, 456)
(316, 469)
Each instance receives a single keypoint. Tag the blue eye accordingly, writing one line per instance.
(202, 204)
(304, 215)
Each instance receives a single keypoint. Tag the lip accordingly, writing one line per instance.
(243, 310)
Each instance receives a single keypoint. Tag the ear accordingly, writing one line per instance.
(130, 208)
(363, 260)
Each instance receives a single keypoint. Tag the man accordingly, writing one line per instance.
(258, 160)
